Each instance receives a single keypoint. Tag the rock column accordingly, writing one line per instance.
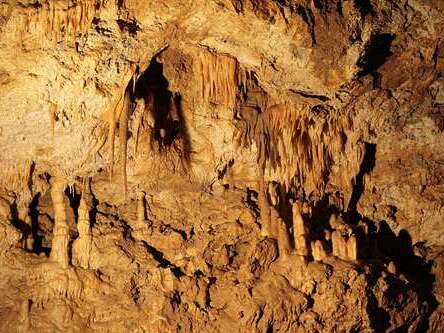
(59, 250)
(81, 249)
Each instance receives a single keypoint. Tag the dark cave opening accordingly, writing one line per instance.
(375, 54)
(367, 165)
(164, 106)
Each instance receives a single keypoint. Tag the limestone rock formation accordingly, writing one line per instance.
(221, 166)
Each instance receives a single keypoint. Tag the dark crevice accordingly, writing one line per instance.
(129, 26)
(379, 318)
(308, 17)
(19, 224)
(399, 249)
(365, 7)
(310, 95)
(367, 165)
(36, 231)
(163, 262)
(375, 54)
(74, 202)
(166, 109)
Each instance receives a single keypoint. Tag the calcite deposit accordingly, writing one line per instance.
(221, 166)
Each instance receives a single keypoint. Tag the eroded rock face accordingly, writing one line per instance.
(240, 166)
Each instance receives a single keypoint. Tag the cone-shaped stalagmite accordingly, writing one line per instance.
(274, 222)
(140, 209)
(59, 250)
(299, 231)
(339, 245)
(82, 246)
(352, 248)
(264, 207)
(284, 242)
(318, 250)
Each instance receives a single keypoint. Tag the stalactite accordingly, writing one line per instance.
(219, 78)
(54, 20)
(81, 247)
(123, 142)
(59, 249)
(17, 178)
(138, 112)
(297, 145)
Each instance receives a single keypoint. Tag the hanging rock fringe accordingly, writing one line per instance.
(219, 78)
(298, 145)
(57, 20)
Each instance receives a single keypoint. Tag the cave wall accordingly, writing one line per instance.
(162, 137)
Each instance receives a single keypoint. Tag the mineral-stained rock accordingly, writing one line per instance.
(221, 166)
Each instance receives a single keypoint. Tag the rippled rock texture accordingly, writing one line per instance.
(221, 166)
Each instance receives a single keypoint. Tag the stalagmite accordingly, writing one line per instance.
(264, 207)
(141, 219)
(301, 242)
(352, 248)
(318, 250)
(274, 222)
(29, 241)
(59, 249)
(284, 242)
(335, 243)
(300, 233)
(298, 221)
(339, 245)
(391, 268)
(272, 192)
(81, 247)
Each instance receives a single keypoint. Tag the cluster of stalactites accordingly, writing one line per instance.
(220, 78)
(17, 179)
(341, 239)
(57, 20)
(297, 146)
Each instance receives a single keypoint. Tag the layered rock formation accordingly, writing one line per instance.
(223, 165)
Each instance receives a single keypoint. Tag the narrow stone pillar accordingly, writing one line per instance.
(339, 245)
(352, 248)
(274, 222)
(318, 250)
(300, 233)
(59, 250)
(141, 219)
(264, 207)
(81, 248)
(284, 242)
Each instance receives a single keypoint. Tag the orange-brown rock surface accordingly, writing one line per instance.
(221, 166)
